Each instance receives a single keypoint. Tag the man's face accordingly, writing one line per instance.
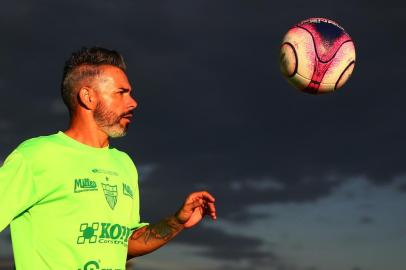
(113, 111)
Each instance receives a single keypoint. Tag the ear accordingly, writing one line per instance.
(87, 98)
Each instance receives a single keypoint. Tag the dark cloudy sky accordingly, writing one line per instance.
(302, 182)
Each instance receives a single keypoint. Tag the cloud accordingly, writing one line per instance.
(219, 244)
(7, 264)
(402, 187)
(234, 197)
(230, 249)
(5, 244)
(366, 220)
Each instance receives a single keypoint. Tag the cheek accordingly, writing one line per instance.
(108, 101)
(111, 103)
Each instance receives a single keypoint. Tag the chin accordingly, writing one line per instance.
(116, 132)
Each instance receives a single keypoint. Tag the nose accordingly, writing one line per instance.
(132, 103)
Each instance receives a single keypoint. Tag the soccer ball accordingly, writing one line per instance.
(317, 56)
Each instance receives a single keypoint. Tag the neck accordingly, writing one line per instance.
(87, 132)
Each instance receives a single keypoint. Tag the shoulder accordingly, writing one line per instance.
(38, 145)
(122, 156)
(125, 162)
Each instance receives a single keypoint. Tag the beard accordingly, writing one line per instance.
(109, 121)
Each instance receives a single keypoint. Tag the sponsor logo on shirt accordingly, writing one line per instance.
(91, 265)
(94, 265)
(108, 172)
(128, 191)
(103, 233)
(84, 184)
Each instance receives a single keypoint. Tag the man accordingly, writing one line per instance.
(72, 200)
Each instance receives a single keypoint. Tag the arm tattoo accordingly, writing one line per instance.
(163, 230)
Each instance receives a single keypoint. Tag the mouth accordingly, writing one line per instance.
(128, 116)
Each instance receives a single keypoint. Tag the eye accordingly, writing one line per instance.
(123, 91)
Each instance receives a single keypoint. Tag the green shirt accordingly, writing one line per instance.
(70, 205)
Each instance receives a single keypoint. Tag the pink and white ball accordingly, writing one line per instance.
(317, 56)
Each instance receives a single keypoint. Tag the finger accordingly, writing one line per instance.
(212, 210)
(208, 196)
(202, 194)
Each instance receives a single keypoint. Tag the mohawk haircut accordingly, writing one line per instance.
(84, 65)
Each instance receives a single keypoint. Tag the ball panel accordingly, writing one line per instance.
(328, 36)
(345, 55)
(288, 60)
(299, 82)
(302, 43)
(345, 75)
(326, 88)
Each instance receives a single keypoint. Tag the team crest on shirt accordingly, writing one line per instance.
(110, 193)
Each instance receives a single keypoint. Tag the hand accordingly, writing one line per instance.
(195, 207)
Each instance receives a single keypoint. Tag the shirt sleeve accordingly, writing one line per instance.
(17, 188)
(135, 213)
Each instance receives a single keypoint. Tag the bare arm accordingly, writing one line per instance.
(153, 236)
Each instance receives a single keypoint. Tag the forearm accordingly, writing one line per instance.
(153, 236)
